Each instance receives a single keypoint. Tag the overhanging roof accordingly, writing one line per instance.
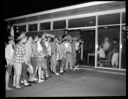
(70, 10)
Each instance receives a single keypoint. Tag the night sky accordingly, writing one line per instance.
(13, 8)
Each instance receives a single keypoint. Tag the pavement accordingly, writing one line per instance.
(75, 84)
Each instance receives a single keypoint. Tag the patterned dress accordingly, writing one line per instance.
(19, 53)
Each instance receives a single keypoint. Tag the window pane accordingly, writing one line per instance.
(22, 28)
(123, 56)
(59, 24)
(109, 19)
(45, 26)
(124, 17)
(32, 27)
(82, 22)
(108, 50)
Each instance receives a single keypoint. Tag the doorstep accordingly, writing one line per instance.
(105, 70)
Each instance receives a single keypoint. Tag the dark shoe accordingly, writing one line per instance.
(28, 85)
(32, 81)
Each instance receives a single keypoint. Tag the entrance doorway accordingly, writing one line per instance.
(88, 36)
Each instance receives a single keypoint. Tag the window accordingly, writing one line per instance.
(111, 33)
(22, 28)
(45, 26)
(59, 24)
(109, 19)
(32, 27)
(124, 17)
(82, 22)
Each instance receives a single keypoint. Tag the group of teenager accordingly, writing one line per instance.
(35, 58)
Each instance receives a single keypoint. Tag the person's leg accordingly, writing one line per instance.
(112, 60)
(8, 73)
(51, 65)
(39, 75)
(18, 68)
(14, 77)
(116, 60)
(55, 66)
(24, 74)
(61, 65)
(67, 61)
(34, 64)
(54, 62)
(70, 61)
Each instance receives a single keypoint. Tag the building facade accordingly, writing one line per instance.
(94, 21)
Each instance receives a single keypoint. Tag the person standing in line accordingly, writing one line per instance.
(19, 59)
(9, 52)
(73, 53)
(77, 48)
(54, 55)
(68, 53)
(26, 63)
(48, 46)
(40, 61)
(33, 59)
(44, 45)
(59, 54)
(63, 56)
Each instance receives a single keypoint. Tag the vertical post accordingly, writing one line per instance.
(26, 27)
(120, 47)
(96, 40)
(38, 26)
(51, 25)
(82, 51)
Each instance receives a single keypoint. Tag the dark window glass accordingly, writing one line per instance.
(45, 26)
(32, 27)
(123, 54)
(82, 22)
(59, 24)
(124, 17)
(112, 33)
(109, 19)
(22, 28)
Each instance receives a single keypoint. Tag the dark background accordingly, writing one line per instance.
(13, 8)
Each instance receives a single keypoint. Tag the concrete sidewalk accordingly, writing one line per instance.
(75, 83)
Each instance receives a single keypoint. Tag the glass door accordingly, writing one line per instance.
(88, 36)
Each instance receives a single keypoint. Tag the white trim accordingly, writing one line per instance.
(111, 68)
(109, 25)
(90, 27)
(59, 29)
(51, 25)
(38, 26)
(26, 27)
(79, 16)
(61, 9)
(66, 23)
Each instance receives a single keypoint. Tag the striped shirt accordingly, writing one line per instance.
(19, 53)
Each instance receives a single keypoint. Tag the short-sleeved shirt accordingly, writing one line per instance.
(19, 53)
(9, 52)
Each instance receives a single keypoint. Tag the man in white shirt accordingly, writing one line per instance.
(9, 52)
(101, 53)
